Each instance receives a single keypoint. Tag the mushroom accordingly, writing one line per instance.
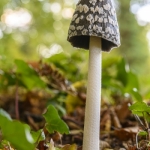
(94, 27)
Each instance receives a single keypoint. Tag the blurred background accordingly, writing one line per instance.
(33, 30)
(39, 67)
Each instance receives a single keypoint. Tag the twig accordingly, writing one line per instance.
(115, 119)
(137, 145)
(147, 126)
(140, 122)
(71, 120)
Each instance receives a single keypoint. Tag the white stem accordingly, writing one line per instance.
(93, 101)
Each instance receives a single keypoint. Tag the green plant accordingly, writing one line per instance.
(141, 111)
(120, 79)
(12, 130)
(23, 78)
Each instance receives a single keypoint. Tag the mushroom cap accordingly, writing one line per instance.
(94, 18)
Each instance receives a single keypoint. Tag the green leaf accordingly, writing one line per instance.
(146, 116)
(8, 78)
(14, 131)
(24, 68)
(28, 76)
(38, 135)
(112, 60)
(54, 122)
(132, 81)
(122, 72)
(142, 133)
(5, 114)
(136, 95)
(3, 144)
(139, 108)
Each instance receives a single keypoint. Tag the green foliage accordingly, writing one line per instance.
(13, 131)
(126, 76)
(142, 110)
(134, 46)
(38, 135)
(28, 76)
(139, 108)
(54, 123)
(48, 28)
(143, 133)
(118, 77)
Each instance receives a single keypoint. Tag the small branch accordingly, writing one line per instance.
(115, 118)
(147, 126)
(72, 120)
(145, 121)
(137, 144)
(140, 122)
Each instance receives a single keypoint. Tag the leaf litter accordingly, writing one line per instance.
(119, 127)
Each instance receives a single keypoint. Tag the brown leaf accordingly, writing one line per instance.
(42, 146)
(104, 145)
(125, 134)
(132, 147)
(115, 119)
(56, 137)
(105, 123)
(79, 148)
(122, 110)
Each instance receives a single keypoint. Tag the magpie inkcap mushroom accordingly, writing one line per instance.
(94, 18)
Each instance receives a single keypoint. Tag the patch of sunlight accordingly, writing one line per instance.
(47, 52)
(69, 2)
(1, 34)
(148, 38)
(143, 15)
(67, 13)
(135, 89)
(16, 18)
(46, 7)
(55, 7)
(134, 8)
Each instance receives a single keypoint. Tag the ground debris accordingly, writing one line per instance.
(117, 125)
(104, 145)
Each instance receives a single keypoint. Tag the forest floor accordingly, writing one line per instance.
(119, 127)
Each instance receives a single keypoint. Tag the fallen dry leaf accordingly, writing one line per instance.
(125, 134)
(104, 145)
(115, 119)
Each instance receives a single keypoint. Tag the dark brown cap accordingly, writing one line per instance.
(94, 18)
